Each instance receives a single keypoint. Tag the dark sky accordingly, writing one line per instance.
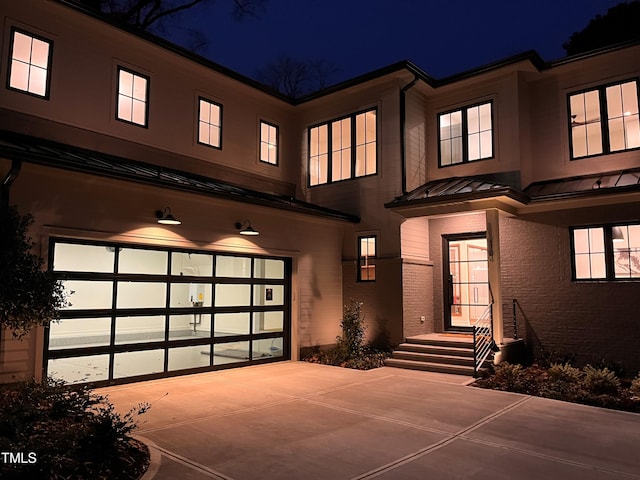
(443, 37)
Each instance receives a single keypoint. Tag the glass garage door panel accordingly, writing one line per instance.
(139, 312)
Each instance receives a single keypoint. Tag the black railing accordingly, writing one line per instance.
(483, 344)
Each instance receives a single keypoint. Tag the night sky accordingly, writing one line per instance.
(443, 37)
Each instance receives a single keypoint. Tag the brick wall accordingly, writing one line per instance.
(417, 294)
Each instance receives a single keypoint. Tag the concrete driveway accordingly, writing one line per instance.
(297, 420)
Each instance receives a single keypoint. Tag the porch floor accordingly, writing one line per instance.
(453, 337)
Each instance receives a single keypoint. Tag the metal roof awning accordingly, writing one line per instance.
(57, 155)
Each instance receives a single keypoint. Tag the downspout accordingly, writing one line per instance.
(403, 138)
(8, 181)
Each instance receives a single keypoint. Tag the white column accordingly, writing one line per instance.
(493, 250)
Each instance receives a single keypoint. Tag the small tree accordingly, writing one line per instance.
(29, 295)
(353, 328)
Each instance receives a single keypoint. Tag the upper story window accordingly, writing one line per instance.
(268, 143)
(209, 123)
(608, 252)
(343, 148)
(466, 134)
(367, 258)
(30, 63)
(133, 97)
(604, 120)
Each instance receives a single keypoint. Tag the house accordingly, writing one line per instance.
(509, 193)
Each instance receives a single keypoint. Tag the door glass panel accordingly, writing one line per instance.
(79, 332)
(91, 368)
(181, 358)
(83, 258)
(236, 267)
(137, 260)
(268, 295)
(189, 325)
(191, 264)
(142, 295)
(268, 322)
(230, 295)
(87, 294)
(468, 282)
(268, 347)
(130, 364)
(268, 268)
(226, 324)
(190, 295)
(232, 352)
(140, 329)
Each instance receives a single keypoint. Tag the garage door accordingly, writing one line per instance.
(140, 312)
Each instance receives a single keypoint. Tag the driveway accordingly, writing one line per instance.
(297, 420)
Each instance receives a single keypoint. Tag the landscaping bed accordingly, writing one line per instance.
(590, 385)
(55, 431)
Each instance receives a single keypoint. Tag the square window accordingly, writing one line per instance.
(465, 135)
(209, 123)
(132, 99)
(30, 63)
(268, 143)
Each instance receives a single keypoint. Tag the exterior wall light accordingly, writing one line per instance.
(166, 218)
(246, 228)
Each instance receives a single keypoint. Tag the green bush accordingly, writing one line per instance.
(600, 381)
(351, 343)
(634, 389)
(70, 431)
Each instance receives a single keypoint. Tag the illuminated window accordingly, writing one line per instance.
(367, 258)
(466, 135)
(30, 63)
(209, 123)
(343, 148)
(133, 94)
(268, 143)
(591, 134)
(608, 252)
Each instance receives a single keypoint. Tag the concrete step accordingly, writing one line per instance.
(430, 367)
(444, 342)
(433, 358)
(466, 351)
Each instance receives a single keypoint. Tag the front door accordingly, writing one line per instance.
(466, 278)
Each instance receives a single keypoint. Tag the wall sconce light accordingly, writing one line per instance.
(246, 228)
(166, 218)
(617, 234)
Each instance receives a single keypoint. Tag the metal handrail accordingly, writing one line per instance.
(483, 344)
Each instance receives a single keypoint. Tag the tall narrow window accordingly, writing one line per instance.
(209, 123)
(343, 148)
(604, 120)
(589, 253)
(30, 63)
(367, 258)
(268, 143)
(133, 97)
(466, 135)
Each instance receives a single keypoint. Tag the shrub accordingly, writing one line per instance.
(353, 330)
(563, 382)
(600, 381)
(634, 389)
(72, 432)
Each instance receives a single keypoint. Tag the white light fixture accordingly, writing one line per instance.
(617, 235)
(166, 218)
(246, 228)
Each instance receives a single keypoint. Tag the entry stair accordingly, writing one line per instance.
(443, 353)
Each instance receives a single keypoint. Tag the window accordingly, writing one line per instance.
(367, 258)
(609, 252)
(343, 148)
(466, 135)
(268, 143)
(604, 120)
(30, 63)
(133, 94)
(209, 123)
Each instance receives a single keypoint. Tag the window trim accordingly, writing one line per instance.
(353, 146)
(147, 96)
(609, 257)
(465, 133)
(361, 257)
(12, 33)
(277, 144)
(211, 102)
(604, 118)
